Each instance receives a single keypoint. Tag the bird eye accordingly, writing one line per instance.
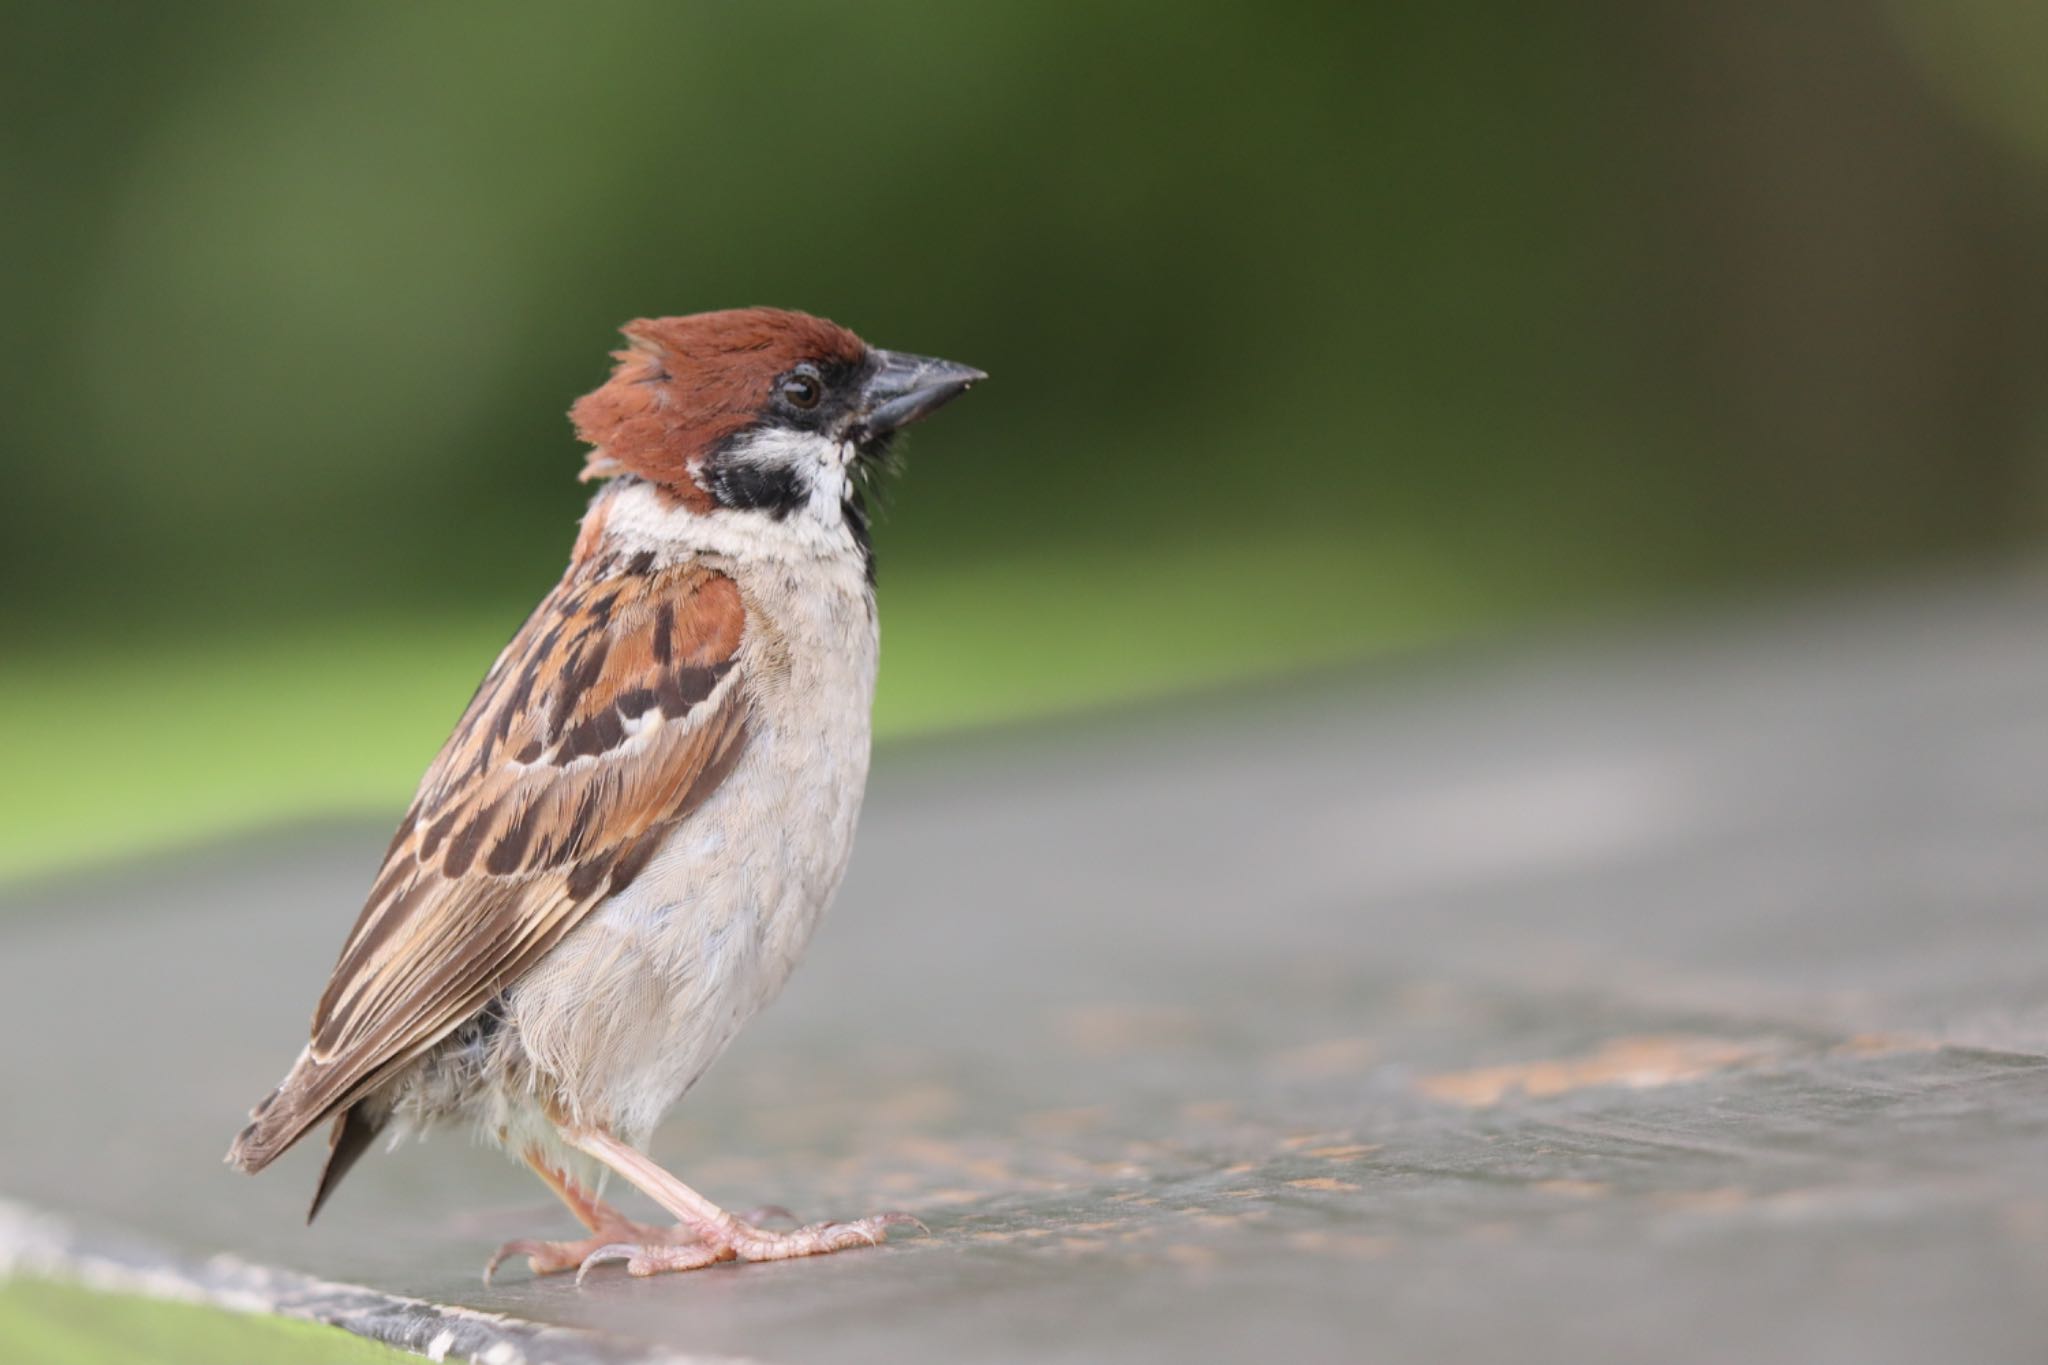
(802, 389)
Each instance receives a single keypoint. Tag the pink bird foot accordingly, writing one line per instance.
(735, 1239)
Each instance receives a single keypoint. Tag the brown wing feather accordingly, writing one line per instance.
(610, 717)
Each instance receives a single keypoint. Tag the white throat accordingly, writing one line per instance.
(638, 517)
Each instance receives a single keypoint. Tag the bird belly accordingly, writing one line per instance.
(637, 1003)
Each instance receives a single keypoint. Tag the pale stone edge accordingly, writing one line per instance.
(35, 1243)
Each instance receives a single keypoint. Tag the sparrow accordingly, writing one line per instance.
(623, 848)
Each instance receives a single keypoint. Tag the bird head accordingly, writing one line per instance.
(756, 410)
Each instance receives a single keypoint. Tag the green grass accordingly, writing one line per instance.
(46, 1323)
(111, 753)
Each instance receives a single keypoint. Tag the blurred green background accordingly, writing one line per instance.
(1317, 332)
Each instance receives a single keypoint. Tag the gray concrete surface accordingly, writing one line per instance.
(1681, 997)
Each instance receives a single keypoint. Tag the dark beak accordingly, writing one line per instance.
(905, 388)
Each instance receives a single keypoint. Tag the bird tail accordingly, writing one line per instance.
(352, 1134)
(278, 1120)
(288, 1113)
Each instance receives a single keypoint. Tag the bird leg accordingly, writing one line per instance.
(609, 1228)
(707, 1233)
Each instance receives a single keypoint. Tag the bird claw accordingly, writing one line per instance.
(504, 1254)
(653, 1260)
(819, 1239)
(617, 1251)
(552, 1258)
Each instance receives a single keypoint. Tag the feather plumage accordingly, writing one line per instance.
(612, 715)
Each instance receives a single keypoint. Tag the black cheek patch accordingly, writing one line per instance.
(775, 489)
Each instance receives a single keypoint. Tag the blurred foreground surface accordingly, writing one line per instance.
(1686, 996)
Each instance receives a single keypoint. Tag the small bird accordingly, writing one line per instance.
(622, 850)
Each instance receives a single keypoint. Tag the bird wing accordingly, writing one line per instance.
(615, 712)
